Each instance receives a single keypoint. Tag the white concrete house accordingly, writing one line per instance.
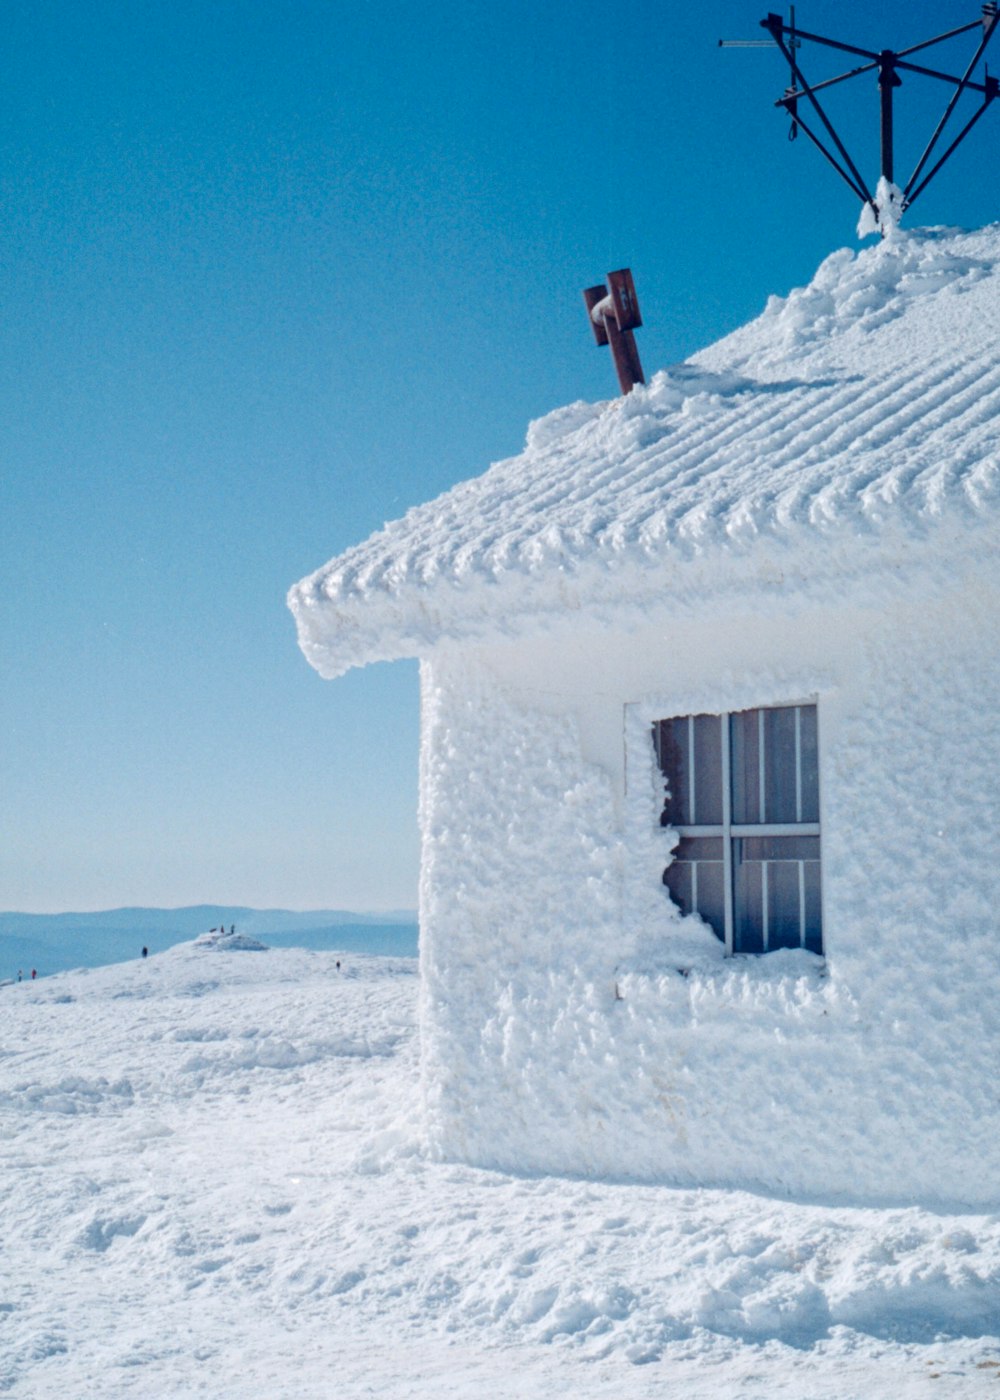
(711, 874)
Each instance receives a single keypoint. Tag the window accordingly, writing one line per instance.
(743, 795)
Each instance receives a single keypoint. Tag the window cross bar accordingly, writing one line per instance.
(749, 829)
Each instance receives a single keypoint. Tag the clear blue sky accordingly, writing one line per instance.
(271, 274)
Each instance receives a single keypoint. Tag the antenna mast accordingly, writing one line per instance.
(887, 64)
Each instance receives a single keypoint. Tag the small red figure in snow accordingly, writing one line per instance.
(34, 974)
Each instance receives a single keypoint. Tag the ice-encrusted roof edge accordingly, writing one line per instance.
(782, 575)
(859, 408)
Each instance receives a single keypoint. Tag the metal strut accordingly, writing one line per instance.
(777, 26)
(887, 64)
(989, 24)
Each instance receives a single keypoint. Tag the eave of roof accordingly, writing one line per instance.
(862, 408)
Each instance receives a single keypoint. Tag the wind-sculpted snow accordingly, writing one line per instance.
(70, 1094)
(863, 404)
(267, 1224)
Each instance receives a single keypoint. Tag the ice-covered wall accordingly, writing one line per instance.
(574, 1022)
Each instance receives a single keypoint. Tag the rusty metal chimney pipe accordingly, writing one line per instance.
(613, 312)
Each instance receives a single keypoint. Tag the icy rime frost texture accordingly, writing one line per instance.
(870, 1079)
(519, 899)
(910, 849)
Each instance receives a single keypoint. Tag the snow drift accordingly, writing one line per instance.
(213, 1185)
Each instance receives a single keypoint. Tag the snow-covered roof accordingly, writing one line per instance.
(863, 407)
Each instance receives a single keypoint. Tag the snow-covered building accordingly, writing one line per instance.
(711, 885)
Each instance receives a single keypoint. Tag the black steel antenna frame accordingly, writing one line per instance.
(885, 63)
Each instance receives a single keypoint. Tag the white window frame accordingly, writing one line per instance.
(729, 831)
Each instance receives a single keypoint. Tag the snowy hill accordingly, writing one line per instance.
(57, 942)
(214, 1185)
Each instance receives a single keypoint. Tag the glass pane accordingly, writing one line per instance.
(699, 848)
(780, 773)
(776, 884)
(710, 898)
(748, 903)
(814, 918)
(707, 770)
(784, 904)
(673, 752)
(696, 880)
(810, 764)
(745, 765)
(775, 773)
(781, 848)
(689, 750)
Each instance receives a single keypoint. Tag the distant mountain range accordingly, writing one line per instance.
(56, 942)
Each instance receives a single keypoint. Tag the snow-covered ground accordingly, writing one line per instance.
(214, 1185)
